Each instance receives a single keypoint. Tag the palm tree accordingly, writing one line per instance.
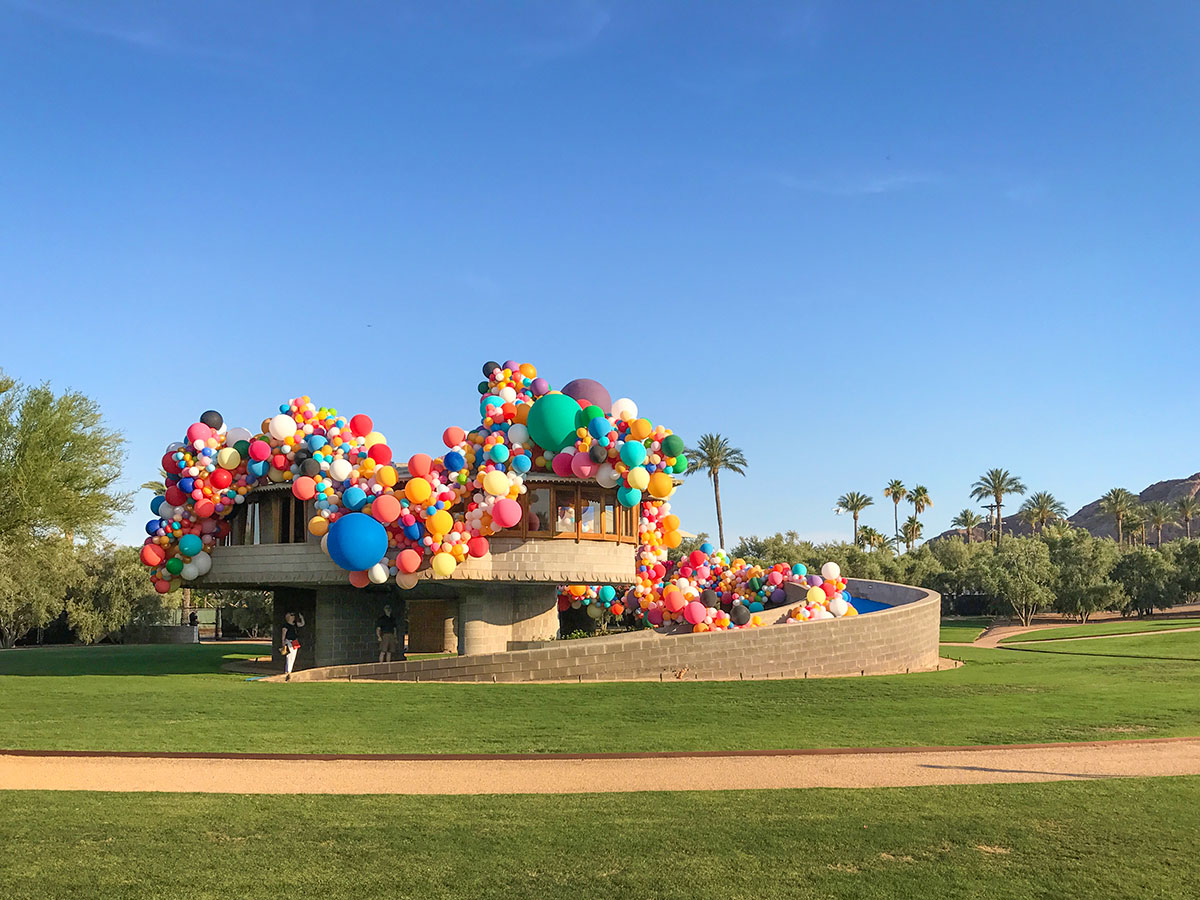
(1118, 503)
(854, 502)
(911, 529)
(868, 537)
(1041, 508)
(919, 498)
(159, 487)
(712, 454)
(1159, 515)
(995, 483)
(1189, 508)
(968, 520)
(897, 491)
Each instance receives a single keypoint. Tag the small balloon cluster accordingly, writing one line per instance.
(380, 521)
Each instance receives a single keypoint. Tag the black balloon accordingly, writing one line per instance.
(709, 598)
(489, 367)
(597, 453)
(212, 418)
(311, 468)
(740, 615)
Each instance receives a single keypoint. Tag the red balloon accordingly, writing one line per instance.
(221, 479)
(381, 453)
(170, 463)
(408, 561)
(386, 508)
(175, 496)
(828, 588)
(303, 488)
(477, 547)
(360, 579)
(674, 601)
(162, 586)
(419, 465)
(362, 425)
(695, 612)
(279, 461)
(453, 436)
(697, 558)
(204, 508)
(153, 555)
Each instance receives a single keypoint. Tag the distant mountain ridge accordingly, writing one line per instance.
(1099, 523)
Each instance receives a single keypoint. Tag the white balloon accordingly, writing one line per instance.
(282, 426)
(233, 435)
(189, 571)
(624, 408)
(518, 434)
(325, 543)
(838, 606)
(202, 561)
(507, 394)
(607, 476)
(340, 469)
(831, 570)
(378, 574)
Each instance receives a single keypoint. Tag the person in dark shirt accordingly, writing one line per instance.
(387, 635)
(291, 641)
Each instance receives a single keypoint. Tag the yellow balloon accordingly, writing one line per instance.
(815, 595)
(276, 476)
(439, 523)
(386, 476)
(374, 438)
(418, 490)
(318, 525)
(228, 458)
(661, 485)
(443, 563)
(496, 484)
(638, 478)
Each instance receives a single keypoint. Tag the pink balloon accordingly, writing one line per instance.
(562, 462)
(506, 513)
(695, 612)
(654, 615)
(259, 450)
(198, 431)
(582, 466)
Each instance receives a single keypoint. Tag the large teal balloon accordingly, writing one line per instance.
(190, 545)
(552, 421)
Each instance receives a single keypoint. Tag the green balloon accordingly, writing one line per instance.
(174, 565)
(243, 449)
(589, 413)
(680, 464)
(672, 445)
(552, 421)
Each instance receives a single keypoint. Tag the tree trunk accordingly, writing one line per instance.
(856, 529)
(720, 521)
(1187, 524)
(1120, 537)
(896, 516)
(999, 523)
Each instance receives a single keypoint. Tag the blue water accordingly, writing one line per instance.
(863, 605)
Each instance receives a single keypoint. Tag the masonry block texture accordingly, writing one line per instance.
(901, 639)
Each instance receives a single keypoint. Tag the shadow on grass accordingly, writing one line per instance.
(126, 659)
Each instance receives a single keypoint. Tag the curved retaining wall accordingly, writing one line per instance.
(901, 639)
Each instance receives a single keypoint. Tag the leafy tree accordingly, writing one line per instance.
(1185, 557)
(250, 611)
(968, 520)
(1159, 515)
(919, 498)
(962, 568)
(777, 548)
(712, 454)
(34, 580)
(869, 538)
(911, 530)
(1149, 580)
(919, 567)
(686, 546)
(996, 483)
(1040, 508)
(853, 502)
(1189, 508)
(58, 464)
(1083, 564)
(1118, 503)
(897, 491)
(1019, 574)
(102, 599)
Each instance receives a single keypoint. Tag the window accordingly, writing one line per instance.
(595, 512)
(564, 510)
(537, 510)
(292, 522)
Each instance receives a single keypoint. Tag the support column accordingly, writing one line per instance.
(490, 617)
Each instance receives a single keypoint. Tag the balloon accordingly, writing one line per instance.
(381, 454)
(640, 429)
(506, 513)
(220, 479)
(440, 523)
(282, 426)
(354, 498)
(672, 445)
(695, 612)
(831, 570)
(386, 509)
(228, 458)
(674, 600)
(409, 560)
(739, 615)
(378, 573)
(607, 593)
(190, 545)
(624, 408)
(552, 421)
(607, 476)
(203, 562)
(521, 464)
(318, 526)
(661, 485)
(815, 595)
(362, 425)
(453, 461)
(260, 450)
(386, 475)
(444, 564)
(418, 490)
(638, 478)
(236, 436)
(562, 463)
(360, 579)
(595, 611)
(588, 392)
(153, 555)
(478, 546)
(496, 484)
(198, 431)
(654, 616)
(453, 436)
(839, 607)
(419, 464)
(633, 453)
(356, 542)
(340, 469)
(628, 497)
(583, 466)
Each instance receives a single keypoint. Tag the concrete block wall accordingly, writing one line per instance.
(901, 639)
(345, 624)
(431, 626)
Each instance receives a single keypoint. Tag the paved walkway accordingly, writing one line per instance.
(852, 768)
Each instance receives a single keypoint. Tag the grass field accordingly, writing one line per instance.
(1181, 646)
(963, 630)
(1119, 838)
(1001, 696)
(1095, 629)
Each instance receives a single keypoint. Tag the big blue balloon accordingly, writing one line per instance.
(356, 542)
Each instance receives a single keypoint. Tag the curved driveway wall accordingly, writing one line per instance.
(901, 639)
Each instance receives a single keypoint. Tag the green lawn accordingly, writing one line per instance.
(1118, 838)
(1094, 629)
(963, 630)
(1001, 696)
(1183, 646)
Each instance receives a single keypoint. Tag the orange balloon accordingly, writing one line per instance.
(386, 508)
(418, 490)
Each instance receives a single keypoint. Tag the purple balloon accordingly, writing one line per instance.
(512, 364)
(588, 391)
(540, 387)
(814, 580)
(779, 595)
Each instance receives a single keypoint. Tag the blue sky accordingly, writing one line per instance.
(864, 240)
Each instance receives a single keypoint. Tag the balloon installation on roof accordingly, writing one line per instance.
(380, 522)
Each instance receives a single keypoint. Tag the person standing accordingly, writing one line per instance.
(291, 641)
(388, 636)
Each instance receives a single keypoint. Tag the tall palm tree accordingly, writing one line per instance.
(968, 520)
(854, 502)
(712, 454)
(897, 491)
(1040, 508)
(995, 483)
(1189, 508)
(919, 498)
(1118, 503)
(1159, 515)
(868, 537)
(911, 529)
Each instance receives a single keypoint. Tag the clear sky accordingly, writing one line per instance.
(863, 240)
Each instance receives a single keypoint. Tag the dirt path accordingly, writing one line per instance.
(645, 772)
